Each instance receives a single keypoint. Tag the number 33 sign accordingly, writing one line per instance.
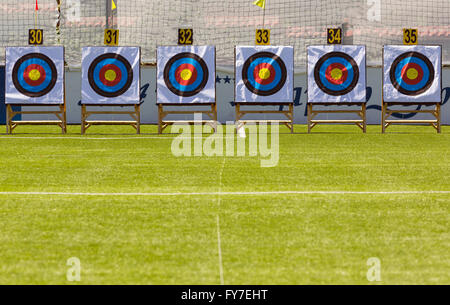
(262, 37)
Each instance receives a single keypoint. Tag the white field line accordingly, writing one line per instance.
(97, 139)
(219, 242)
(228, 193)
(219, 245)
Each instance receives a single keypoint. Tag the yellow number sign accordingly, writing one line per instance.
(35, 37)
(262, 37)
(334, 36)
(111, 37)
(410, 36)
(185, 36)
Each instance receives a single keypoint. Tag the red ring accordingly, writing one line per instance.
(26, 75)
(336, 66)
(189, 81)
(103, 73)
(261, 66)
(404, 74)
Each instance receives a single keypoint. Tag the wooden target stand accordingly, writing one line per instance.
(135, 115)
(335, 36)
(289, 113)
(185, 38)
(387, 112)
(361, 122)
(410, 38)
(60, 114)
(163, 113)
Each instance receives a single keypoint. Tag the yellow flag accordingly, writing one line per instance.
(260, 3)
(113, 5)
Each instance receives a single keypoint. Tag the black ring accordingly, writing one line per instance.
(250, 60)
(349, 87)
(394, 67)
(169, 66)
(52, 80)
(97, 61)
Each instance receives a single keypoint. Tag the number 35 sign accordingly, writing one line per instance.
(410, 36)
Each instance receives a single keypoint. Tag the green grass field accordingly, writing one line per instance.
(264, 238)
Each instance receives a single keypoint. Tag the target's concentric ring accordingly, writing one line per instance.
(336, 73)
(264, 73)
(34, 75)
(412, 73)
(110, 75)
(186, 74)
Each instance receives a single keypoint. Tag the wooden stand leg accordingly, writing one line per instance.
(364, 117)
(64, 118)
(160, 113)
(383, 117)
(83, 119)
(137, 109)
(291, 111)
(8, 119)
(438, 117)
(214, 110)
(309, 113)
(237, 108)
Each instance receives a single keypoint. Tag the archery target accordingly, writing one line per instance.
(186, 74)
(264, 74)
(111, 75)
(336, 74)
(35, 75)
(413, 75)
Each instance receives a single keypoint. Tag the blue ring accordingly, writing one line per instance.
(425, 77)
(123, 71)
(176, 65)
(271, 62)
(45, 83)
(325, 81)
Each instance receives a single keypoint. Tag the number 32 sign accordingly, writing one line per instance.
(185, 36)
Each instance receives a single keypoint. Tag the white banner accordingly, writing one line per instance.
(412, 73)
(110, 75)
(186, 74)
(34, 75)
(336, 73)
(264, 74)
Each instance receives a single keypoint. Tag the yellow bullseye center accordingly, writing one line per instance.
(186, 74)
(34, 74)
(336, 73)
(412, 73)
(264, 73)
(110, 75)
